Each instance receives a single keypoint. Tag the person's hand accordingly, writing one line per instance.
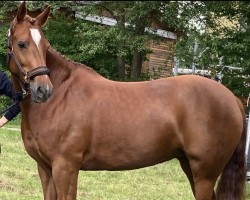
(3, 121)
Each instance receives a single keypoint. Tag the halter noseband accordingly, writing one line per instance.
(26, 76)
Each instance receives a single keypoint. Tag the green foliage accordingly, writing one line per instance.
(73, 39)
(99, 46)
(218, 44)
(7, 7)
(3, 48)
(237, 81)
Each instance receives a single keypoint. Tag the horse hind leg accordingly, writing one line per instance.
(187, 170)
(203, 189)
(232, 183)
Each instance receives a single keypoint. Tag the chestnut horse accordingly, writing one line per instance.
(74, 119)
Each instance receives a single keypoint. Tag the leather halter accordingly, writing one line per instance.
(26, 76)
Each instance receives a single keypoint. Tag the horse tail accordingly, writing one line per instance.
(232, 183)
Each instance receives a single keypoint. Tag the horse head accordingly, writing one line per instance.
(27, 54)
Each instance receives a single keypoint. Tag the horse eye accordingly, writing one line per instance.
(21, 45)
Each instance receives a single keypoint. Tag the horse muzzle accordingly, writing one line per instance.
(40, 92)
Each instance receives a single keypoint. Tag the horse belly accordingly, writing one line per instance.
(132, 149)
(125, 161)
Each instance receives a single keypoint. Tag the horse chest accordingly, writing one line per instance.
(34, 148)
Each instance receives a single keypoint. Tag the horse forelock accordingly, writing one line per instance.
(28, 19)
(31, 20)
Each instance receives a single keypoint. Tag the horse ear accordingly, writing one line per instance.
(22, 11)
(43, 17)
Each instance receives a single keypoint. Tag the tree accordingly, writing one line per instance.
(220, 29)
(132, 18)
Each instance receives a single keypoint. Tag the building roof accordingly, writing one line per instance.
(112, 22)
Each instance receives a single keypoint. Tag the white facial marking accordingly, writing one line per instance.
(9, 36)
(36, 36)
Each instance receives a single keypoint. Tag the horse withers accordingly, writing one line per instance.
(74, 119)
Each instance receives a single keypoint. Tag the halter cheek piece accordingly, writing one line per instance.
(26, 76)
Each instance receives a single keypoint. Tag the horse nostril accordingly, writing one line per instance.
(40, 91)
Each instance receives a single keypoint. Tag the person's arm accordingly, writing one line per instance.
(8, 90)
(12, 112)
(3, 121)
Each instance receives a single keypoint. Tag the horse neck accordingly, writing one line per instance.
(60, 68)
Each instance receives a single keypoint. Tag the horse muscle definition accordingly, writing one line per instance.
(74, 119)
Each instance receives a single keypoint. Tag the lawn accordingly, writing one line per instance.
(19, 179)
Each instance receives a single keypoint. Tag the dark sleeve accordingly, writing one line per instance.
(12, 112)
(7, 89)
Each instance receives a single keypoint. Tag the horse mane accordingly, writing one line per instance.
(71, 63)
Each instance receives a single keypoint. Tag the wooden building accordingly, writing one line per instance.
(160, 62)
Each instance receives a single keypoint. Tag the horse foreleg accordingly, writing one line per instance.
(49, 189)
(65, 175)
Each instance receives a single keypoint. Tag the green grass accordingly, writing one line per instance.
(19, 179)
